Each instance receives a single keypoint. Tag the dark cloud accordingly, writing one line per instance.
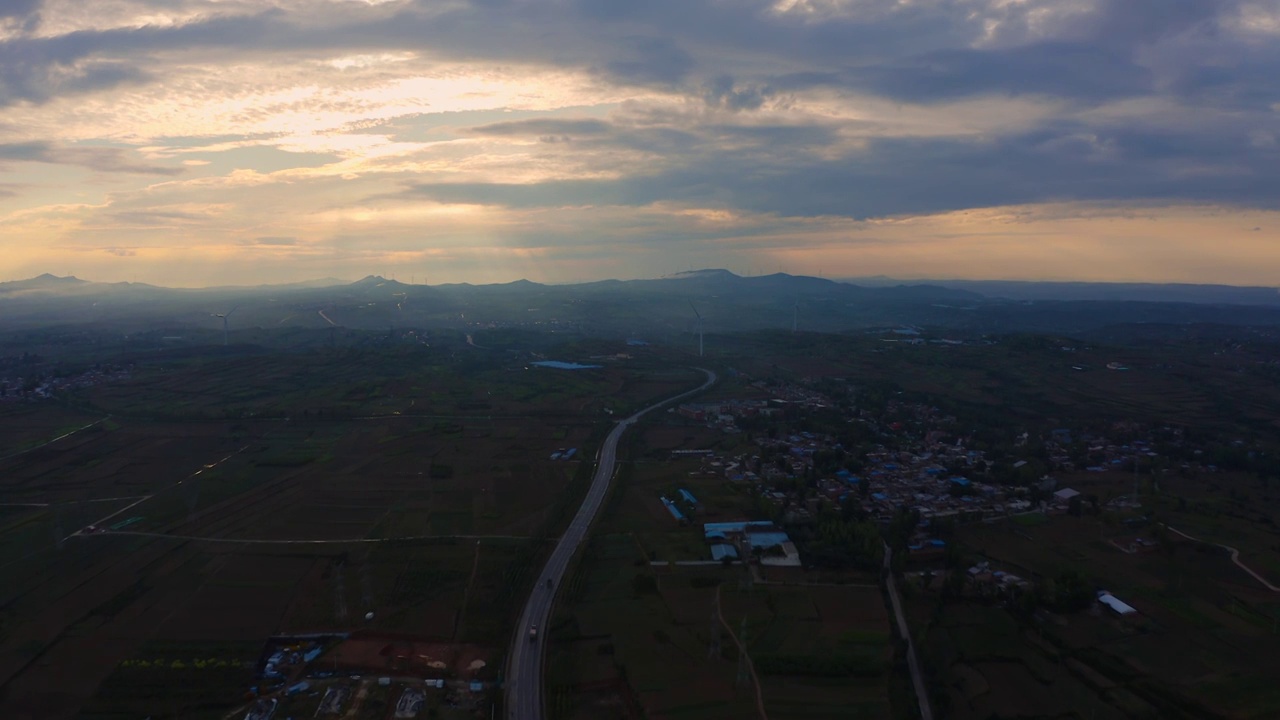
(547, 126)
(36, 69)
(732, 60)
(899, 176)
(914, 51)
(1124, 23)
(651, 60)
(18, 8)
(102, 159)
(721, 92)
(1070, 70)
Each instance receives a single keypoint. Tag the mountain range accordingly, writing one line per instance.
(660, 307)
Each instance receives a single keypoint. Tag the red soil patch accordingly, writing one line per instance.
(383, 653)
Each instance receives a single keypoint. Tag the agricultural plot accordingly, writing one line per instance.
(239, 497)
(638, 637)
(661, 641)
(1197, 647)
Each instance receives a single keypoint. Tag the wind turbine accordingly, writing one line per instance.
(224, 317)
(697, 326)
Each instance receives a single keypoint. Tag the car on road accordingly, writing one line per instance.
(533, 633)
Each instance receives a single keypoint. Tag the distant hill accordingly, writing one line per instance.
(1115, 292)
(658, 308)
(44, 282)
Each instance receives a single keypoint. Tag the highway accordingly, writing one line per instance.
(524, 662)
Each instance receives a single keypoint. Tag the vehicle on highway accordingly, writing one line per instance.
(533, 633)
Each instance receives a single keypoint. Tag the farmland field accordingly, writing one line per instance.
(235, 498)
(639, 634)
(1198, 648)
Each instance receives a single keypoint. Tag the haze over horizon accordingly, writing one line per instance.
(190, 143)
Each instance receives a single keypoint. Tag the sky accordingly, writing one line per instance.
(213, 142)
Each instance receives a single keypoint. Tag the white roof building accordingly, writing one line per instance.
(1119, 606)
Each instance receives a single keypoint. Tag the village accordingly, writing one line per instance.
(917, 464)
(43, 386)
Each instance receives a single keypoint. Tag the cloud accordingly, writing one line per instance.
(540, 127)
(18, 8)
(373, 119)
(720, 92)
(102, 159)
(890, 176)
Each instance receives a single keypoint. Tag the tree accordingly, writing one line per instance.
(644, 584)
(953, 585)
(1072, 592)
(1075, 506)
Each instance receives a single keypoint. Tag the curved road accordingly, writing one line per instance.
(524, 662)
(1235, 558)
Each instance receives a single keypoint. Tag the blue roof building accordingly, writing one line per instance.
(727, 527)
(720, 551)
(767, 539)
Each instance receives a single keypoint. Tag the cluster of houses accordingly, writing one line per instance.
(787, 400)
(760, 540)
(889, 480)
(16, 389)
(1096, 453)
